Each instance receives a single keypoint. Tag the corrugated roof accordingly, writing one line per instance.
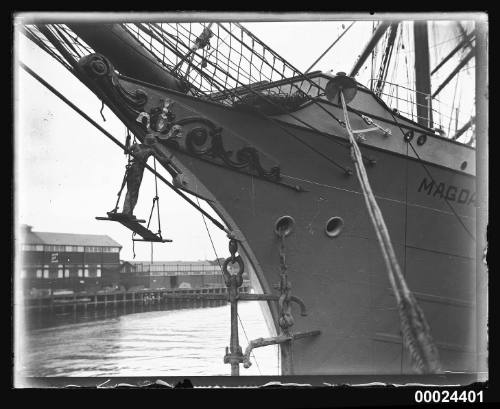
(30, 238)
(70, 239)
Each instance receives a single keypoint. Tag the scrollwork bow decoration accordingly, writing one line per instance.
(99, 74)
(206, 141)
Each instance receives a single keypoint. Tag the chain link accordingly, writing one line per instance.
(233, 281)
(285, 309)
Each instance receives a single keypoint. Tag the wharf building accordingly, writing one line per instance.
(172, 275)
(68, 263)
(58, 262)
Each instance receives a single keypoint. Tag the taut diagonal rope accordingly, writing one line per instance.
(416, 332)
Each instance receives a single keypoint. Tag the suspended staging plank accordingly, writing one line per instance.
(135, 226)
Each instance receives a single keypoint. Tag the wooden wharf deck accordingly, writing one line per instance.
(213, 296)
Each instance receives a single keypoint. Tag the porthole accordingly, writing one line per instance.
(421, 139)
(463, 165)
(284, 225)
(334, 226)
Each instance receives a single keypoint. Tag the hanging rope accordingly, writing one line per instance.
(117, 142)
(156, 202)
(156, 199)
(127, 142)
(133, 244)
(416, 332)
(126, 151)
(124, 182)
(101, 111)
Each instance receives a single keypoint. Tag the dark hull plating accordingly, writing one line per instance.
(342, 280)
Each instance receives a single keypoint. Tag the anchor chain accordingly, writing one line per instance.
(286, 320)
(234, 353)
(233, 281)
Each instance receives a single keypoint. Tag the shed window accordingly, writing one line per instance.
(93, 249)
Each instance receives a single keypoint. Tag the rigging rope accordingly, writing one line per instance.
(416, 332)
(156, 201)
(117, 142)
(329, 48)
(157, 198)
(293, 85)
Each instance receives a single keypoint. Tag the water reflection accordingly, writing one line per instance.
(154, 342)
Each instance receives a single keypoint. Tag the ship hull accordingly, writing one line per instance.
(342, 280)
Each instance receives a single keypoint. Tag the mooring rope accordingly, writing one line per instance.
(416, 331)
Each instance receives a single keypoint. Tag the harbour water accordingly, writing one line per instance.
(183, 342)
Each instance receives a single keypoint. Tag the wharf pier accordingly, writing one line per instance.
(189, 297)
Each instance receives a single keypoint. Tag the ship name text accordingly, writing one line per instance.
(448, 192)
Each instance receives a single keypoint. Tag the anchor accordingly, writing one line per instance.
(234, 354)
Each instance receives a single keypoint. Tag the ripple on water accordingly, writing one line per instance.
(162, 343)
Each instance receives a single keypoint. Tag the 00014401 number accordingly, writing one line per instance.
(445, 396)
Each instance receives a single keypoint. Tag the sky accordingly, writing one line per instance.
(67, 172)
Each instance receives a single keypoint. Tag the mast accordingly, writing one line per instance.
(464, 42)
(462, 63)
(422, 74)
(384, 66)
(379, 32)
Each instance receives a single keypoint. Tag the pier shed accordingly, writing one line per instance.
(67, 261)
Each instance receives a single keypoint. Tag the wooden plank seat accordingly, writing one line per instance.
(134, 225)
